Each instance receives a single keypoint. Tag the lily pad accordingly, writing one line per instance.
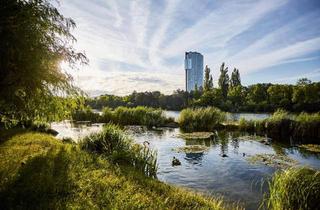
(273, 160)
(196, 135)
(255, 138)
(192, 149)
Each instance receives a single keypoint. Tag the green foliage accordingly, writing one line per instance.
(208, 81)
(35, 39)
(235, 78)
(40, 172)
(224, 80)
(295, 188)
(201, 119)
(117, 147)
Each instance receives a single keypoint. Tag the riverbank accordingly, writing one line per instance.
(40, 172)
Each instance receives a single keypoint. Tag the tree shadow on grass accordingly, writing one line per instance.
(43, 182)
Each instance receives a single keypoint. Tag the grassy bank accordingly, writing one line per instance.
(201, 119)
(38, 171)
(125, 116)
(283, 124)
(295, 188)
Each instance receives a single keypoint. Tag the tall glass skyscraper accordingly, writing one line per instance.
(193, 63)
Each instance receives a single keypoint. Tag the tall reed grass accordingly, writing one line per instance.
(117, 147)
(201, 119)
(285, 124)
(295, 188)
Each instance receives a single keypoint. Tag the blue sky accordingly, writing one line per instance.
(140, 44)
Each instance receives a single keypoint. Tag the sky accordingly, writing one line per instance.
(140, 44)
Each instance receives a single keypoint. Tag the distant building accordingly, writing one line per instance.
(193, 63)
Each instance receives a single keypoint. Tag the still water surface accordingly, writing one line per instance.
(232, 177)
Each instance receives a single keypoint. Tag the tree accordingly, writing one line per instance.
(35, 40)
(224, 81)
(208, 83)
(235, 78)
(303, 81)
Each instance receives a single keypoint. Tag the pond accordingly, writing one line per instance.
(221, 169)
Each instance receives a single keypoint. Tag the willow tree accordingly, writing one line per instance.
(35, 39)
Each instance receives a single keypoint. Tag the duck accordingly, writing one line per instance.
(175, 162)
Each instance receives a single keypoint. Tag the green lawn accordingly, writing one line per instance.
(38, 171)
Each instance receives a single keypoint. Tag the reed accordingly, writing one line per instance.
(201, 119)
(294, 188)
(117, 147)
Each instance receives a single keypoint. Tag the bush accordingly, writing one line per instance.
(201, 119)
(295, 188)
(116, 146)
(86, 114)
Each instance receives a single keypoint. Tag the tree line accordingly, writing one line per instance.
(230, 95)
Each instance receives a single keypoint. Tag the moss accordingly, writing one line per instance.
(311, 147)
(279, 161)
(38, 171)
(192, 149)
(196, 135)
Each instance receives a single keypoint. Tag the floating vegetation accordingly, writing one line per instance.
(311, 147)
(196, 135)
(261, 139)
(273, 160)
(192, 149)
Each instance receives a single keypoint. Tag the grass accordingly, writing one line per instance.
(38, 171)
(119, 148)
(201, 119)
(294, 189)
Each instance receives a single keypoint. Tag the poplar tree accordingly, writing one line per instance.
(235, 78)
(208, 83)
(224, 80)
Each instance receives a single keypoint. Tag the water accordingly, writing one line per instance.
(232, 177)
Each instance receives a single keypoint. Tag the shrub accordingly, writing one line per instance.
(116, 146)
(295, 188)
(201, 119)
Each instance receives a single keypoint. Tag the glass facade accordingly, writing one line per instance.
(194, 70)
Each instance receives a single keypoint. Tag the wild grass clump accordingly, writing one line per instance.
(201, 119)
(117, 147)
(86, 114)
(295, 188)
(139, 116)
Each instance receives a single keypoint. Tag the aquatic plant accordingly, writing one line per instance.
(192, 149)
(196, 135)
(294, 188)
(311, 147)
(201, 119)
(118, 147)
(139, 116)
(279, 161)
(86, 114)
